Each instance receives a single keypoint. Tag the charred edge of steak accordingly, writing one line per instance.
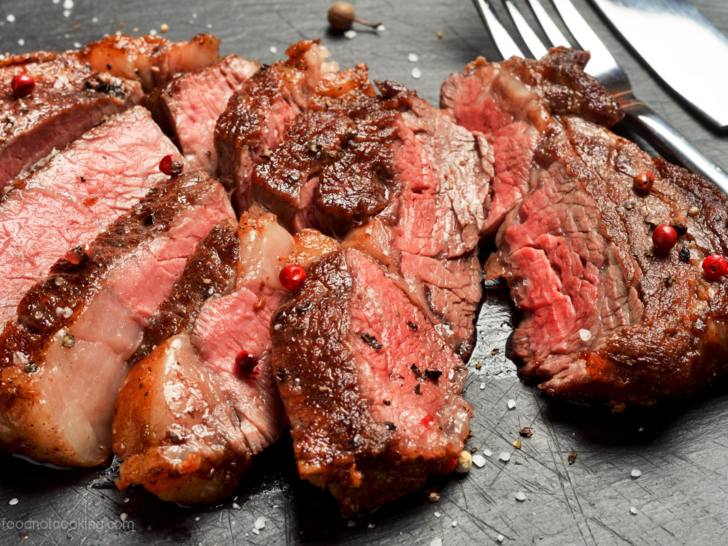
(210, 271)
(72, 286)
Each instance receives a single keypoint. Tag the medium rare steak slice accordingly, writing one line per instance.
(513, 103)
(62, 359)
(188, 419)
(607, 316)
(76, 90)
(188, 108)
(73, 197)
(257, 115)
(69, 99)
(371, 390)
(394, 158)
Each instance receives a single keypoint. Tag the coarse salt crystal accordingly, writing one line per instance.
(585, 335)
(482, 386)
(412, 57)
(351, 34)
(371, 526)
(256, 532)
(273, 49)
(633, 510)
(153, 32)
(197, 518)
(454, 523)
(260, 523)
(511, 404)
(11, 18)
(77, 45)
(351, 523)
(13, 502)
(479, 461)
(126, 500)
(437, 514)
(19, 359)
(487, 452)
(500, 538)
(123, 516)
(520, 497)
(56, 1)
(381, 28)
(505, 457)
(416, 73)
(21, 42)
(66, 12)
(95, 20)
(636, 473)
(236, 506)
(68, 4)
(437, 541)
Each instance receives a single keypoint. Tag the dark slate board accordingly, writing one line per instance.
(681, 497)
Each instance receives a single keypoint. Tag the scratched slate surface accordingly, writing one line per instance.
(680, 447)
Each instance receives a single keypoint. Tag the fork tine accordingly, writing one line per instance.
(548, 25)
(602, 61)
(532, 41)
(503, 41)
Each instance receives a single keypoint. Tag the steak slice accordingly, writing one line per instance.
(62, 359)
(371, 390)
(73, 197)
(514, 103)
(256, 116)
(607, 317)
(191, 430)
(189, 106)
(392, 157)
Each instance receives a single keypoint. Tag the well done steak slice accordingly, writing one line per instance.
(63, 358)
(513, 103)
(73, 197)
(371, 390)
(189, 106)
(188, 422)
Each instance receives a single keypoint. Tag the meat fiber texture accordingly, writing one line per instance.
(74, 197)
(188, 422)
(607, 317)
(384, 172)
(370, 388)
(62, 359)
(189, 106)
(76, 90)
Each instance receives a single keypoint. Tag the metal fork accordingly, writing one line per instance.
(638, 116)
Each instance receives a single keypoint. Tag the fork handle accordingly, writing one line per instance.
(669, 142)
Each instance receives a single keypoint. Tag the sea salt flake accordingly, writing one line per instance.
(454, 523)
(479, 461)
(68, 4)
(636, 473)
(413, 58)
(505, 457)
(437, 541)
(11, 18)
(487, 452)
(416, 73)
(520, 496)
(371, 526)
(437, 514)
(256, 532)
(274, 49)
(511, 404)
(381, 28)
(500, 538)
(19, 359)
(126, 500)
(482, 386)
(633, 510)
(585, 335)
(13, 502)
(351, 34)
(260, 523)
(236, 506)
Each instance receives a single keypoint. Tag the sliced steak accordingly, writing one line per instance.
(71, 199)
(69, 99)
(188, 108)
(152, 60)
(188, 421)
(63, 358)
(607, 317)
(393, 157)
(371, 390)
(513, 103)
(256, 116)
